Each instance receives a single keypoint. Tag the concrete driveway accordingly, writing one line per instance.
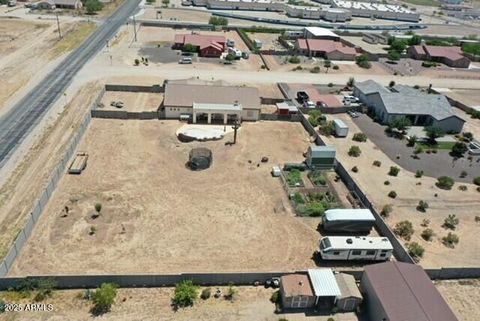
(434, 165)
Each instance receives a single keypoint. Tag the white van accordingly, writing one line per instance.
(185, 60)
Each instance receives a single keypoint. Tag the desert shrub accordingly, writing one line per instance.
(445, 182)
(377, 163)
(137, 62)
(335, 67)
(463, 188)
(412, 140)
(359, 137)
(386, 183)
(450, 240)
(317, 178)
(463, 174)
(104, 297)
(458, 149)
(354, 151)
(232, 293)
(98, 207)
(418, 150)
(330, 84)
(275, 297)
(451, 222)
(415, 250)
(476, 181)
(297, 197)
(422, 206)
(386, 210)
(363, 62)
(315, 70)
(294, 60)
(186, 294)
(355, 169)
(206, 293)
(427, 234)
(477, 219)
(392, 194)
(418, 173)
(2, 306)
(327, 129)
(404, 229)
(394, 170)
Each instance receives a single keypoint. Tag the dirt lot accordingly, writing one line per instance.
(269, 40)
(158, 216)
(20, 40)
(251, 303)
(134, 102)
(462, 296)
(462, 204)
(27, 182)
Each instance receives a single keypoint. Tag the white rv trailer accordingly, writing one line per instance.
(355, 248)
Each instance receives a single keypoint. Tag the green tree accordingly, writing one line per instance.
(165, 3)
(186, 294)
(218, 21)
(434, 132)
(327, 64)
(472, 48)
(351, 82)
(188, 47)
(458, 149)
(404, 229)
(427, 234)
(400, 123)
(415, 40)
(445, 182)
(93, 6)
(393, 55)
(104, 297)
(354, 151)
(415, 250)
(398, 45)
(363, 61)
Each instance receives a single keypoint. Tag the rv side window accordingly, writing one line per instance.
(336, 253)
(356, 252)
(384, 251)
(383, 254)
(371, 252)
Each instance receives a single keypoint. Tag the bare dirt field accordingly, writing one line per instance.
(158, 216)
(463, 204)
(462, 296)
(20, 43)
(134, 102)
(269, 40)
(19, 194)
(251, 303)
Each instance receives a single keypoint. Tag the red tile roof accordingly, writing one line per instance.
(215, 45)
(199, 40)
(419, 50)
(326, 46)
(452, 53)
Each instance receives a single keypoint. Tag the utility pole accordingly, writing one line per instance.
(58, 27)
(134, 29)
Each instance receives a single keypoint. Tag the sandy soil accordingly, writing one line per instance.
(463, 204)
(269, 40)
(134, 102)
(160, 217)
(462, 296)
(251, 303)
(20, 43)
(18, 194)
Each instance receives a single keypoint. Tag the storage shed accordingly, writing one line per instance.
(350, 297)
(397, 291)
(320, 157)
(341, 129)
(296, 291)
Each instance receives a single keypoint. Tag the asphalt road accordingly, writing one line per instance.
(23, 116)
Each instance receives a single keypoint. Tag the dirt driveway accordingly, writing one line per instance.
(158, 216)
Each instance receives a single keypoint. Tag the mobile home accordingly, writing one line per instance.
(355, 248)
(348, 220)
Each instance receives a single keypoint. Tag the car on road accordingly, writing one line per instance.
(185, 60)
(302, 96)
(353, 114)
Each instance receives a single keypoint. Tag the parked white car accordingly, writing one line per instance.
(309, 104)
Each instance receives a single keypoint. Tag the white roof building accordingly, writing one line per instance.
(317, 32)
(351, 214)
(357, 242)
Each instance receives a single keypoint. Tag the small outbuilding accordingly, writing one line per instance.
(341, 129)
(324, 287)
(350, 297)
(287, 107)
(321, 157)
(296, 291)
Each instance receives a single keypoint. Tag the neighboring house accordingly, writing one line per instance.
(68, 4)
(329, 49)
(396, 291)
(403, 101)
(44, 5)
(296, 291)
(375, 38)
(350, 298)
(206, 46)
(210, 102)
(450, 56)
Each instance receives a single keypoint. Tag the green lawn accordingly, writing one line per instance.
(431, 3)
(440, 145)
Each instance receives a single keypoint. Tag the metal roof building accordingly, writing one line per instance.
(350, 297)
(396, 291)
(349, 214)
(323, 282)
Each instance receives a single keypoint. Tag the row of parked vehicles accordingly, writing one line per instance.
(348, 248)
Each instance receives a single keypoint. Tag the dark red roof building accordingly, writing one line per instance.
(450, 56)
(332, 50)
(396, 291)
(207, 45)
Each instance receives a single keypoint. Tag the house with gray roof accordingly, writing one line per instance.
(403, 101)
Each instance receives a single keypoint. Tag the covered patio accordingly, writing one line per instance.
(217, 113)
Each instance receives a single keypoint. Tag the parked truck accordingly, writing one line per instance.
(341, 129)
(348, 220)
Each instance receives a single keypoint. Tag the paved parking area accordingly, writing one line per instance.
(434, 165)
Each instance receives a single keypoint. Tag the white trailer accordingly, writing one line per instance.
(348, 248)
(341, 129)
(348, 220)
(257, 43)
